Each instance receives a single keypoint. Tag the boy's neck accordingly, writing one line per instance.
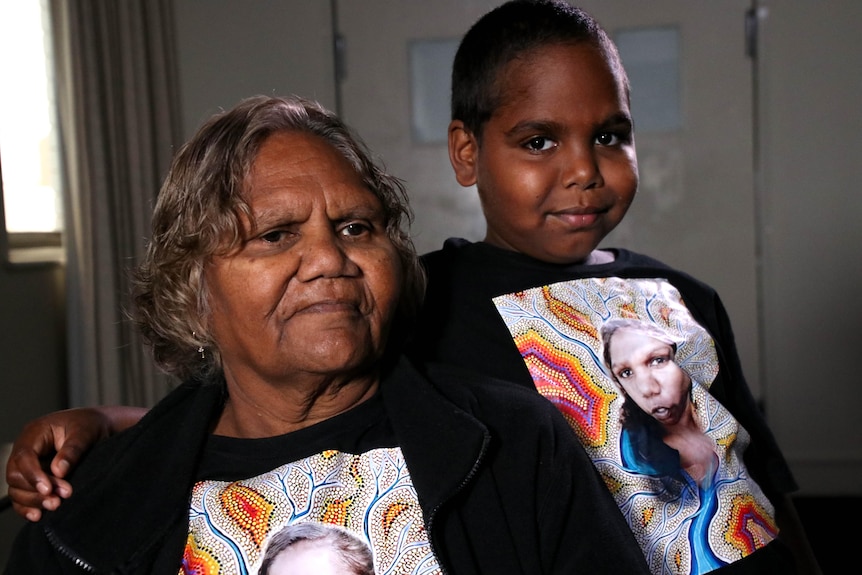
(598, 257)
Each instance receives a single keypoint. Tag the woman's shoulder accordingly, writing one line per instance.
(492, 400)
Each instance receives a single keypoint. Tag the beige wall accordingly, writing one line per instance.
(810, 124)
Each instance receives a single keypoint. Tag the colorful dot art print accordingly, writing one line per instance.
(370, 495)
(684, 490)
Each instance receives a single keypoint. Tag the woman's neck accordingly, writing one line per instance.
(270, 410)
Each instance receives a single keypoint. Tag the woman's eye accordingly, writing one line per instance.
(273, 237)
(354, 229)
(539, 144)
(624, 373)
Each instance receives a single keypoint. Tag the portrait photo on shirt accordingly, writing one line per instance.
(313, 548)
(630, 368)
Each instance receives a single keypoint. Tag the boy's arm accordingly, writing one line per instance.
(37, 482)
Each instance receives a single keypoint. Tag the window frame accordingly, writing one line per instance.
(32, 247)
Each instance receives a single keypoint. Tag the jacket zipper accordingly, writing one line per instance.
(461, 486)
(67, 553)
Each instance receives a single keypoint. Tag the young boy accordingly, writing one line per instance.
(541, 125)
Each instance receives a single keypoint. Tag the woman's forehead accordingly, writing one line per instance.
(304, 167)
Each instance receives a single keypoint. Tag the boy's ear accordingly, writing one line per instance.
(463, 153)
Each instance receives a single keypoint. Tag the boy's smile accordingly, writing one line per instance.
(556, 169)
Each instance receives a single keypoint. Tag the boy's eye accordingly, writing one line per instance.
(539, 144)
(608, 139)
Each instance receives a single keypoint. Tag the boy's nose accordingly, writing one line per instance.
(581, 168)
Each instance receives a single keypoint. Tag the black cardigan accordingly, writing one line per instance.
(504, 485)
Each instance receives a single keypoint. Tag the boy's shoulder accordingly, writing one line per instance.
(459, 253)
(503, 406)
(466, 386)
(490, 270)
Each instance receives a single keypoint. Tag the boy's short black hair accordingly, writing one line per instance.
(505, 33)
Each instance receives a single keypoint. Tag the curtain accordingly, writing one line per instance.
(119, 120)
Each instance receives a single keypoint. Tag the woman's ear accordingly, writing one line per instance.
(463, 152)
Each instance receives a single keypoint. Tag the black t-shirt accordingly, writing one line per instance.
(460, 325)
(361, 429)
(344, 475)
(465, 321)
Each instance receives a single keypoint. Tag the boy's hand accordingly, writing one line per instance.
(49, 447)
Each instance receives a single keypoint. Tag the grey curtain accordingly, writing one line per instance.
(119, 123)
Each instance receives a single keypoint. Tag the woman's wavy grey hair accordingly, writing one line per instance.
(352, 554)
(198, 215)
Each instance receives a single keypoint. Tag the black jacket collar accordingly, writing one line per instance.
(115, 529)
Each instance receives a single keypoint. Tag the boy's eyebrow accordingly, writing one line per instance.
(619, 118)
(534, 126)
(554, 126)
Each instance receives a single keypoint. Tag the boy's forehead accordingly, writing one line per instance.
(574, 51)
(551, 77)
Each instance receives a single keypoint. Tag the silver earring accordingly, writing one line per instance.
(200, 347)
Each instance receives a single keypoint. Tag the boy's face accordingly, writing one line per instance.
(556, 170)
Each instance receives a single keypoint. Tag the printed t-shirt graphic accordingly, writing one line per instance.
(684, 526)
(370, 494)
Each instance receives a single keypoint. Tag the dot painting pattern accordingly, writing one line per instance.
(370, 494)
(683, 526)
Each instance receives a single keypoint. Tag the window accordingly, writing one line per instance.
(651, 57)
(29, 151)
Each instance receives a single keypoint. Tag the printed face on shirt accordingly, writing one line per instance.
(308, 558)
(556, 168)
(647, 372)
(314, 285)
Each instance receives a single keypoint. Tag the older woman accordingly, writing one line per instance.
(277, 273)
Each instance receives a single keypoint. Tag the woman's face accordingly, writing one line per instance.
(313, 289)
(646, 370)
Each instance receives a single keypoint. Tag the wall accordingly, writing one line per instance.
(810, 121)
(32, 355)
(230, 50)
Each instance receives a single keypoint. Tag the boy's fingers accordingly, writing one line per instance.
(29, 513)
(43, 487)
(68, 456)
(29, 504)
(62, 488)
(24, 472)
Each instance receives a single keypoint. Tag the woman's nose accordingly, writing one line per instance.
(323, 256)
(650, 386)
